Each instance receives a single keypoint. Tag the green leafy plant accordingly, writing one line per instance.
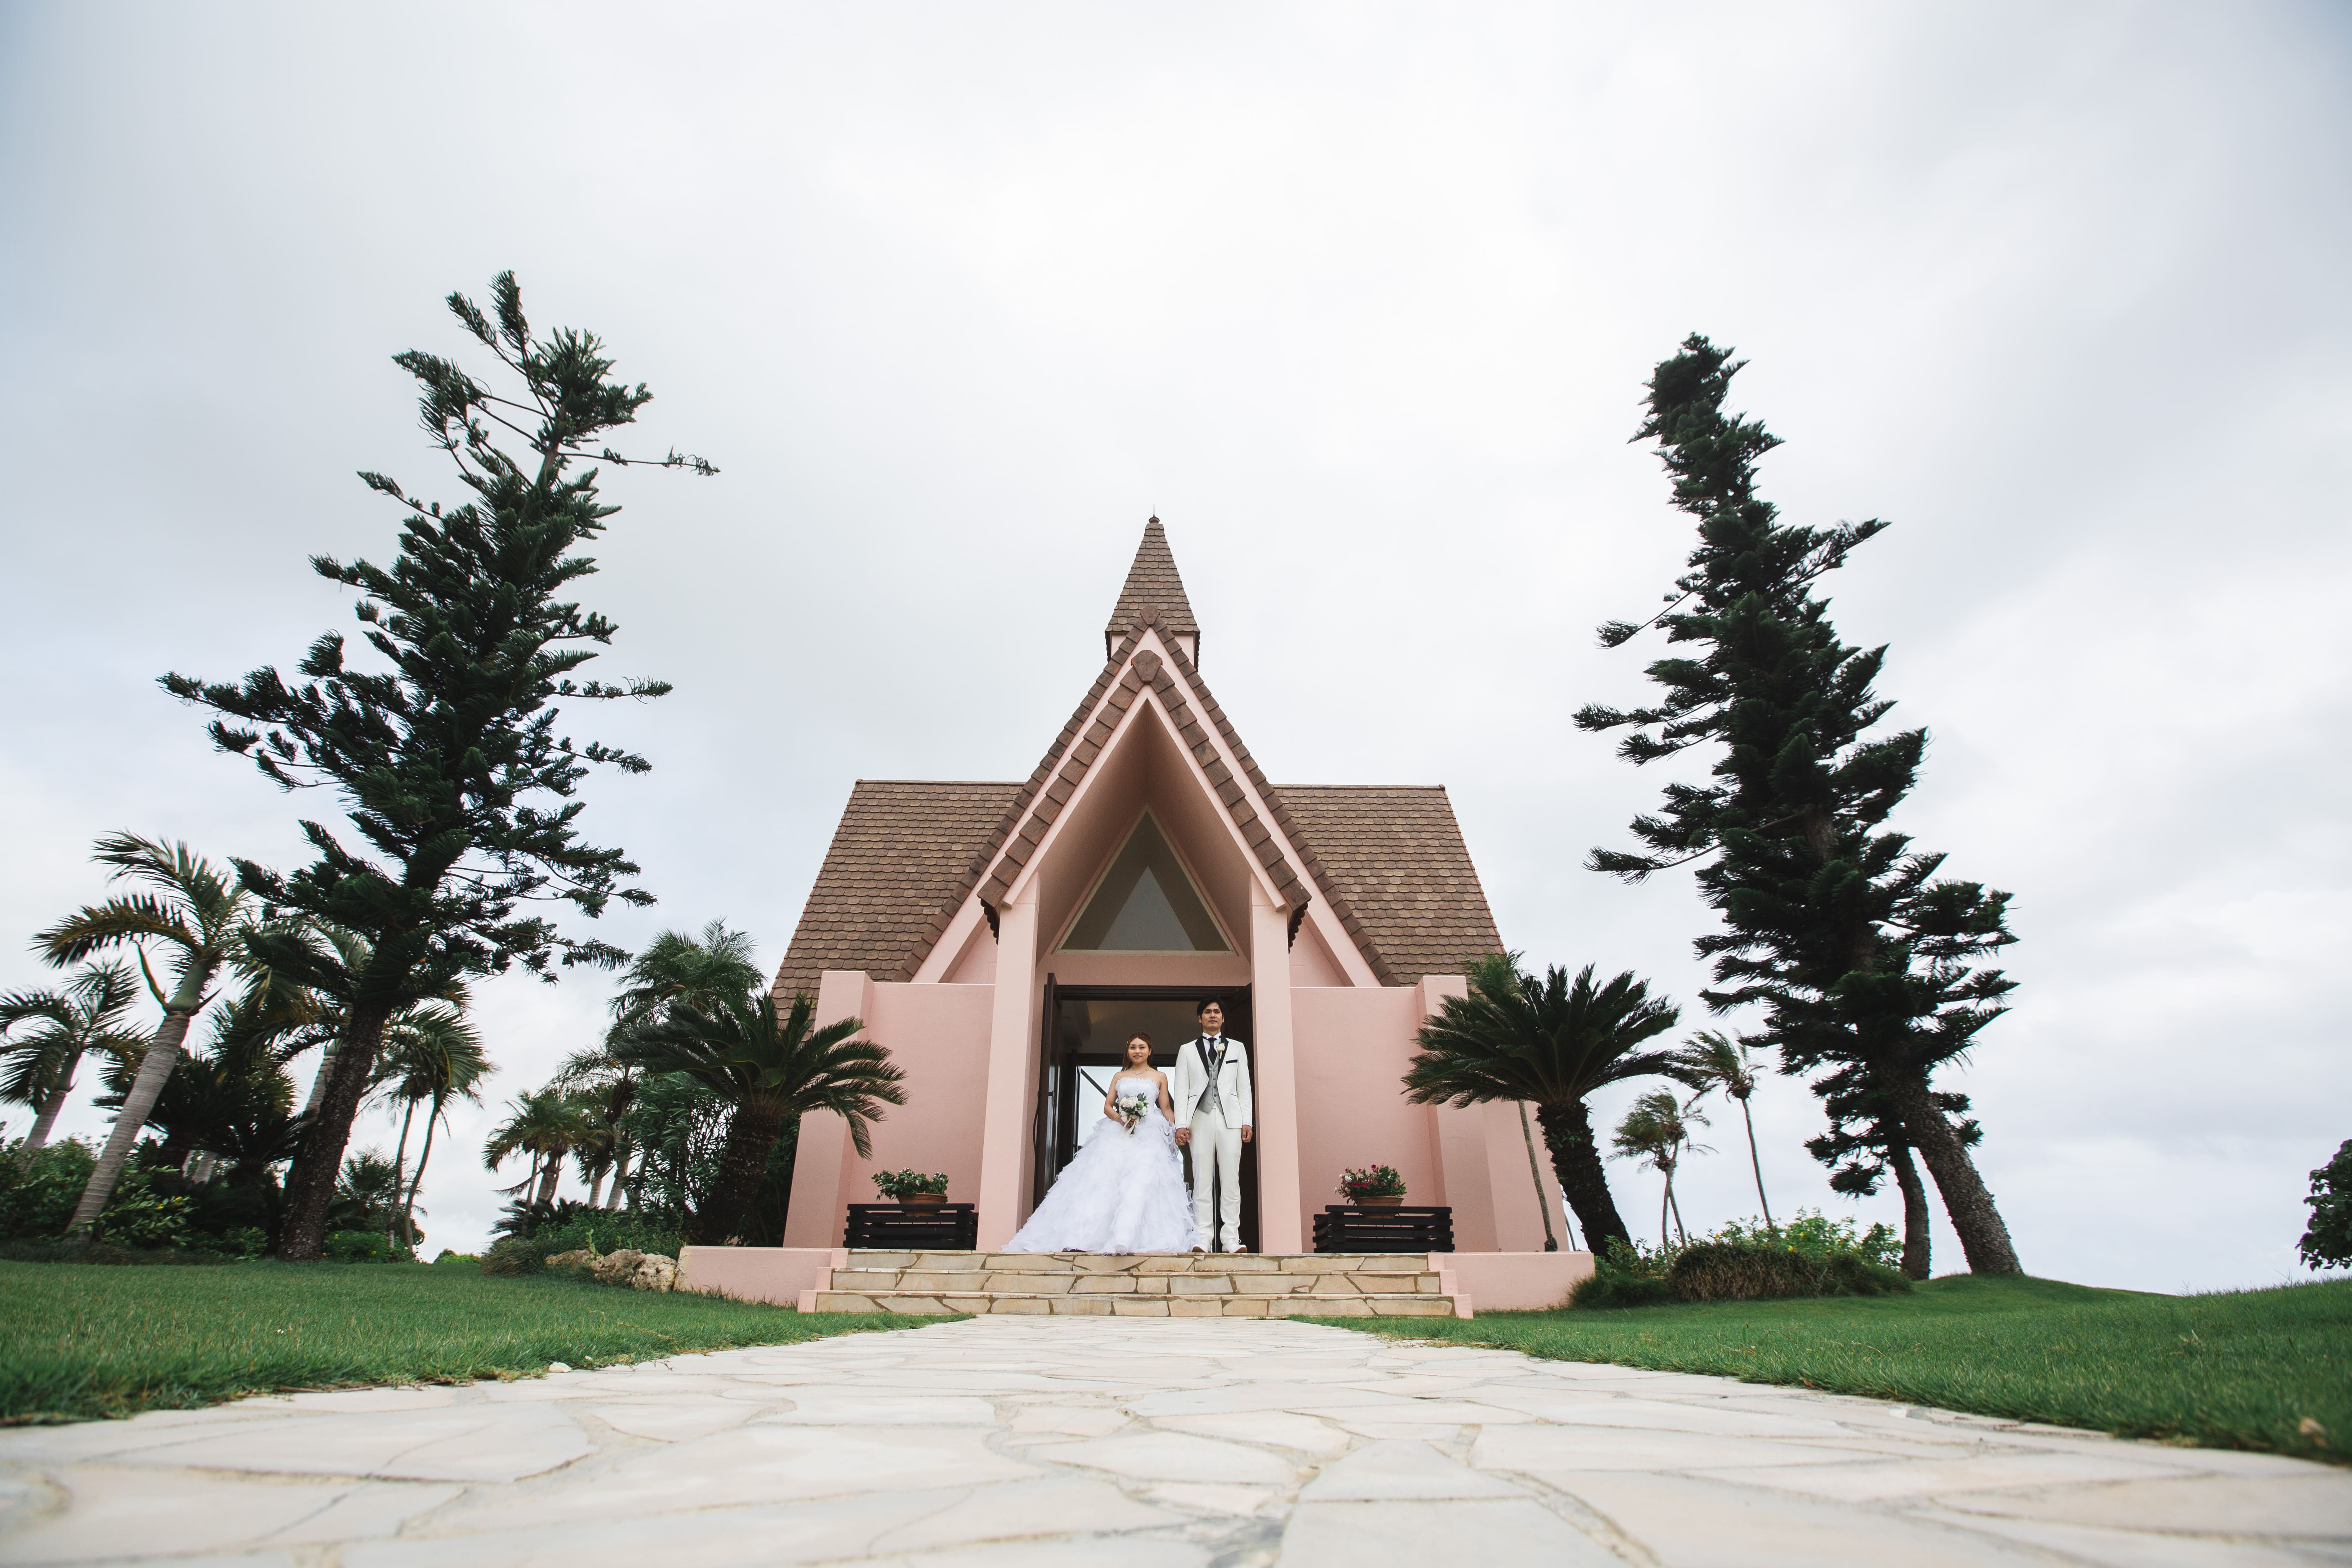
(910, 1183)
(2328, 1241)
(1377, 1181)
(37, 1193)
(140, 1215)
(366, 1247)
(1740, 1271)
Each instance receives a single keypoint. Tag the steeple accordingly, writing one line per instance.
(1152, 583)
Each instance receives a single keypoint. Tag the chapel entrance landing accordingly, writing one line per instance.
(1087, 1029)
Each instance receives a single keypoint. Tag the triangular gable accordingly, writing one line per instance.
(1145, 901)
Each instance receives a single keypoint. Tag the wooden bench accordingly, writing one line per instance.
(891, 1227)
(1363, 1228)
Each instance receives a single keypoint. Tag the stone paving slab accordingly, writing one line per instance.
(1145, 1441)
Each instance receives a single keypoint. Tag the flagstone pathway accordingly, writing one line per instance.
(1134, 1443)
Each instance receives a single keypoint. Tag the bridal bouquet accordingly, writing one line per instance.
(1132, 1105)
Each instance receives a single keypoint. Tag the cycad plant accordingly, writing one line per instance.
(1658, 1130)
(1548, 1042)
(772, 1065)
(199, 917)
(44, 1034)
(1717, 1061)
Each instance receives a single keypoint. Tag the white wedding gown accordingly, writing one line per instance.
(1123, 1193)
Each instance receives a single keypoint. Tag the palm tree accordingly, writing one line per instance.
(197, 912)
(84, 1015)
(674, 966)
(546, 1124)
(1717, 1061)
(1550, 1043)
(1657, 1129)
(429, 1052)
(771, 1066)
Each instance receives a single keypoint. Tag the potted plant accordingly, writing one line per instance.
(913, 1189)
(1380, 1187)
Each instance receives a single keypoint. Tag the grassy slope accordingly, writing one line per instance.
(81, 1340)
(2242, 1370)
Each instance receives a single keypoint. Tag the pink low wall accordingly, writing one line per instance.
(1516, 1282)
(773, 1274)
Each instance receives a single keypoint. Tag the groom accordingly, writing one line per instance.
(1210, 1088)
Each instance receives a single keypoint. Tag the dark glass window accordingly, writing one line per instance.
(1145, 903)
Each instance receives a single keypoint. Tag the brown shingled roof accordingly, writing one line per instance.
(1394, 853)
(1151, 583)
(899, 864)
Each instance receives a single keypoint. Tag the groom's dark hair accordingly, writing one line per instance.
(1202, 1006)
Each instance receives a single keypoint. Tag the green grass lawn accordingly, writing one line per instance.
(80, 1341)
(2249, 1369)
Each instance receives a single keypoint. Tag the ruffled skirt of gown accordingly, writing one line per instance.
(1124, 1193)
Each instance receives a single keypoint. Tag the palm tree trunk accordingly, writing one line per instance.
(154, 1067)
(53, 1105)
(620, 1175)
(1664, 1199)
(1917, 1237)
(1984, 1237)
(1756, 1164)
(743, 1166)
(596, 1191)
(399, 1169)
(1543, 1199)
(311, 1180)
(319, 1080)
(1680, 1233)
(416, 1183)
(550, 1175)
(1575, 1161)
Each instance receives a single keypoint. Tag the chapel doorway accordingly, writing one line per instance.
(1086, 1032)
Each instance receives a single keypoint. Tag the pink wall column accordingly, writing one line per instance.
(814, 1219)
(1012, 1050)
(1282, 1223)
(1461, 1145)
(1519, 1214)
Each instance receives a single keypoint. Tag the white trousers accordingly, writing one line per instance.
(1216, 1162)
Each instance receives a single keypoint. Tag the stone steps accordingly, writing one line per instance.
(1150, 1285)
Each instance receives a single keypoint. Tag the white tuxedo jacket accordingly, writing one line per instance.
(1188, 1080)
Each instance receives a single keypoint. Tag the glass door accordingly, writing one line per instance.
(1085, 1047)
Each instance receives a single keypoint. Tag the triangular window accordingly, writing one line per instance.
(1146, 903)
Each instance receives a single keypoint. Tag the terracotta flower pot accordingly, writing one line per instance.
(922, 1200)
(1387, 1203)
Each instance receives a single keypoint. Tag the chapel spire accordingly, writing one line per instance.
(1152, 584)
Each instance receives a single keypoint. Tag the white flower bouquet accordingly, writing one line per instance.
(1132, 1105)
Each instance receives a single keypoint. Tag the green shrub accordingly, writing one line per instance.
(1611, 1290)
(1817, 1237)
(448, 1259)
(38, 1199)
(1732, 1271)
(141, 1213)
(56, 1249)
(365, 1247)
(2328, 1242)
(609, 1231)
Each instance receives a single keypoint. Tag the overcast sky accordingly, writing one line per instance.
(1361, 299)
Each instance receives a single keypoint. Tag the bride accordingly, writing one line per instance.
(1125, 1190)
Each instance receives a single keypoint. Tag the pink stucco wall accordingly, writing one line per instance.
(1516, 1281)
(772, 1274)
(1352, 1045)
(938, 1034)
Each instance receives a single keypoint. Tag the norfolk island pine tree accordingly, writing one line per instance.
(447, 762)
(1860, 957)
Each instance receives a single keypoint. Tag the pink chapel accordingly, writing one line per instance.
(1003, 939)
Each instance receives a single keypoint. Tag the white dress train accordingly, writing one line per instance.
(1124, 1193)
